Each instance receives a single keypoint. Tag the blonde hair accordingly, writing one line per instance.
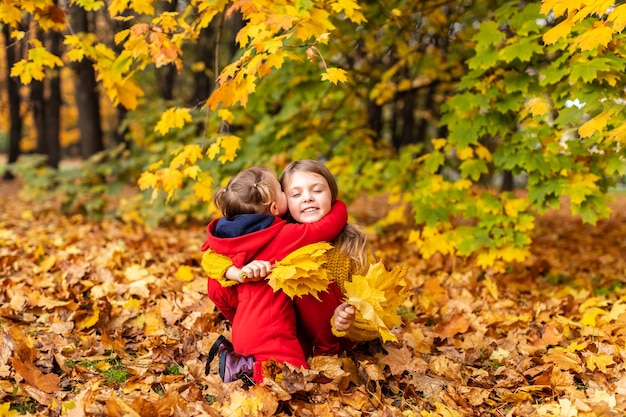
(249, 192)
(352, 240)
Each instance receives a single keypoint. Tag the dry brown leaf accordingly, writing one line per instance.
(46, 382)
(458, 323)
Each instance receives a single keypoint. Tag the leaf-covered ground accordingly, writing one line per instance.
(112, 319)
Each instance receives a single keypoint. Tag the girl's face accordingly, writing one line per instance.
(280, 200)
(308, 197)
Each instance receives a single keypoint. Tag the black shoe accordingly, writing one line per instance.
(221, 344)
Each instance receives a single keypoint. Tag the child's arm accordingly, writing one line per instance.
(344, 317)
(253, 271)
(297, 235)
(216, 267)
(361, 330)
(221, 268)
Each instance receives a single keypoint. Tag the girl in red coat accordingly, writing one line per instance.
(328, 325)
(263, 321)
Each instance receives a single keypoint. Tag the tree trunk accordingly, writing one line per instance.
(375, 118)
(38, 107)
(52, 114)
(407, 134)
(86, 93)
(15, 134)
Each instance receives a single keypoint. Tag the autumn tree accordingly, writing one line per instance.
(431, 103)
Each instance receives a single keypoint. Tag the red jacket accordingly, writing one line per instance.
(264, 323)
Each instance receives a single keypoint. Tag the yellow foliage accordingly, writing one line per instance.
(377, 297)
(33, 68)
(560, 7)
(203, 187)
(562, 30)
(335, 75)
(173, 118)
(596, 124)
(10, 14)
(431, 240)
(482, 152)
(618, 17)
(301, 272)
(440, 143)
(514, 206)
(226, 115)
(600, 35)
(465, 153)
(538, 106)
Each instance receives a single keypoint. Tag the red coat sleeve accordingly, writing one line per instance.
(296, 235)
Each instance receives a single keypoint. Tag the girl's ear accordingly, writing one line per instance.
(273, 209)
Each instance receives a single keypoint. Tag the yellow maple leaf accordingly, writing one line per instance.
(187, 154)
(618, 17)
(184, 273)
(562, 30)
(226, 115)
(600, 361)
(596, 124)
(335, 75)
(300, 272)
(89, 321)
(203, 187)
(513, 206)
(230, 144)
(10, 14)
(377, 296)
(147, 180)
(126, 93)
(600, 35)
(172, 180)
(173, 118)
(242, 404)
(33, 68)
(142, 6)
(589, 317)
(538, 106)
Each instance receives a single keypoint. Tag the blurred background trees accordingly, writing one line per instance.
(445, 107)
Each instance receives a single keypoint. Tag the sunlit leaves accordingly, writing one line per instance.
(90, 5)
(228, 144)
(599, 35)
(172, 119)
(170, 178)
(335, 75)
(34, 67)
(10, 13)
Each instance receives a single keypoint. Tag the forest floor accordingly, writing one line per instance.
(112, 318)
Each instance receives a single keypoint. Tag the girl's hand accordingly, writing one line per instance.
(344, 317)
(255, 271)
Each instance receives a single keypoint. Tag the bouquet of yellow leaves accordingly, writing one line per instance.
(377, 297)
(301, 272)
